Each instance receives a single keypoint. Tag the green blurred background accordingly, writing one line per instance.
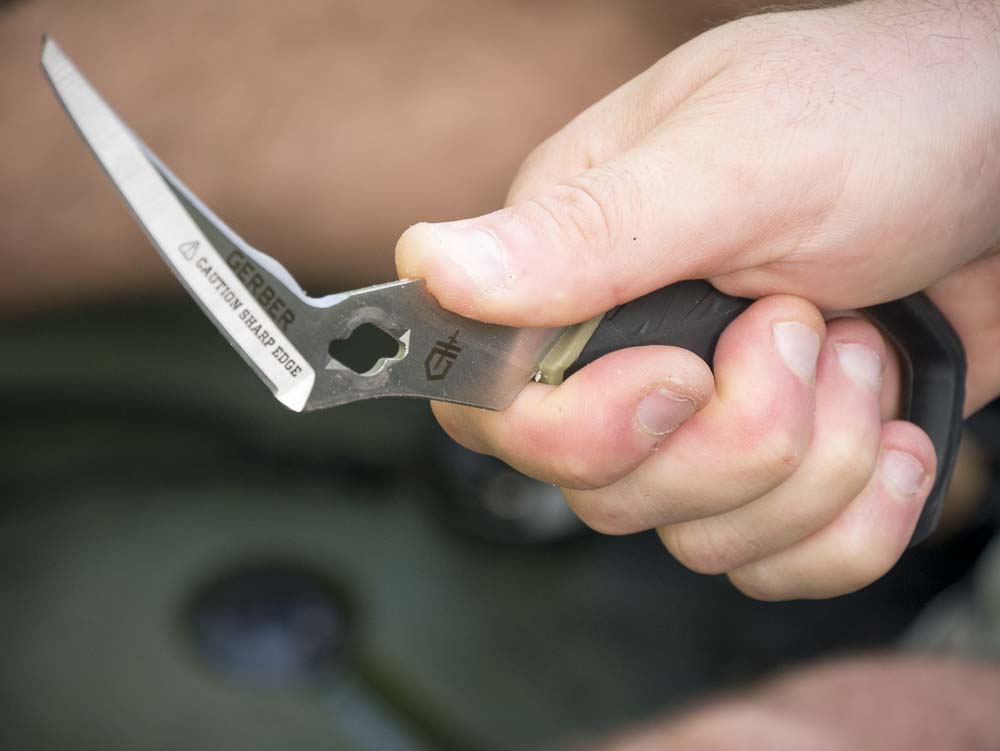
(185, 564)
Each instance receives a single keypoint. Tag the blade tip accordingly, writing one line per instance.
(49, 49)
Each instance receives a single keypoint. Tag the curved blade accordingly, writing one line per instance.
(191, 255)
(284, 335)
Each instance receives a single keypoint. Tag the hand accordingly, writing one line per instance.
(844, 156)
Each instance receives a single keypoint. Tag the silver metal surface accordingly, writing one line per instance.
(284, 334)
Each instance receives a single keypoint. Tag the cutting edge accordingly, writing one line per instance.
(138, 176)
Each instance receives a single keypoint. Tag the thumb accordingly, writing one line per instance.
(652, 215)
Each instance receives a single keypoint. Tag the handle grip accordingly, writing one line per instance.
(693, 314)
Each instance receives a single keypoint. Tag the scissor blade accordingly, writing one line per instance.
(198, 248)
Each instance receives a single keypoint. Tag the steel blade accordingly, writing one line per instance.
(183, 244)
(281, 332)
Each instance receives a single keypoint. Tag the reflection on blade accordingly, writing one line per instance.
(205, 257)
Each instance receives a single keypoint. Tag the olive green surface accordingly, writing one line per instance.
(141, 460)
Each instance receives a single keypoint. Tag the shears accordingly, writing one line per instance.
(288, 337)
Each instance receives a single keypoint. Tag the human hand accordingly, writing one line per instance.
(842, 156)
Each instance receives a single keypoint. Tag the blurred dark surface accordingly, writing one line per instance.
(185, 564)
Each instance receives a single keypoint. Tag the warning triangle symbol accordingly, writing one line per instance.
(188, 249)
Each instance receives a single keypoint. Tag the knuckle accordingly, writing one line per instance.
(582, 473)
(568, 147)
(707, 546)
(779, 451)
(600, 511)
(699, 547)
(847, 463)
(539, 156)
(534, 168)
(773, 441)
(571, 463)
(836, 476)
(758, 586)
(589, 208)
(863, 559)
(579, 213)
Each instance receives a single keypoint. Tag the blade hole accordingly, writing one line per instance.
(366, 349)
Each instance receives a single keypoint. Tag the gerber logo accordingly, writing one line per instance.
(441, 357)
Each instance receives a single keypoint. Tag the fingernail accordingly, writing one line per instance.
(799, 347)
(477, 252)
(661, 412)
(861, 363)
(903, 472)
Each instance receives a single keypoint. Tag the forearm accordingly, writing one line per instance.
(920, 704)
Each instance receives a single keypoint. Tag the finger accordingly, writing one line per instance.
(837, 465)
(582, 246)
(598, 425)
(748, 440)
(865, 540)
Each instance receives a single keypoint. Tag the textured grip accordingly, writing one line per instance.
(693, 315)
(689, 314)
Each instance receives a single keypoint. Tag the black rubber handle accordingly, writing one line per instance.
(693, 314)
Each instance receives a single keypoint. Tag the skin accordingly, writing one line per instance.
(893, 703)
(816, 159)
